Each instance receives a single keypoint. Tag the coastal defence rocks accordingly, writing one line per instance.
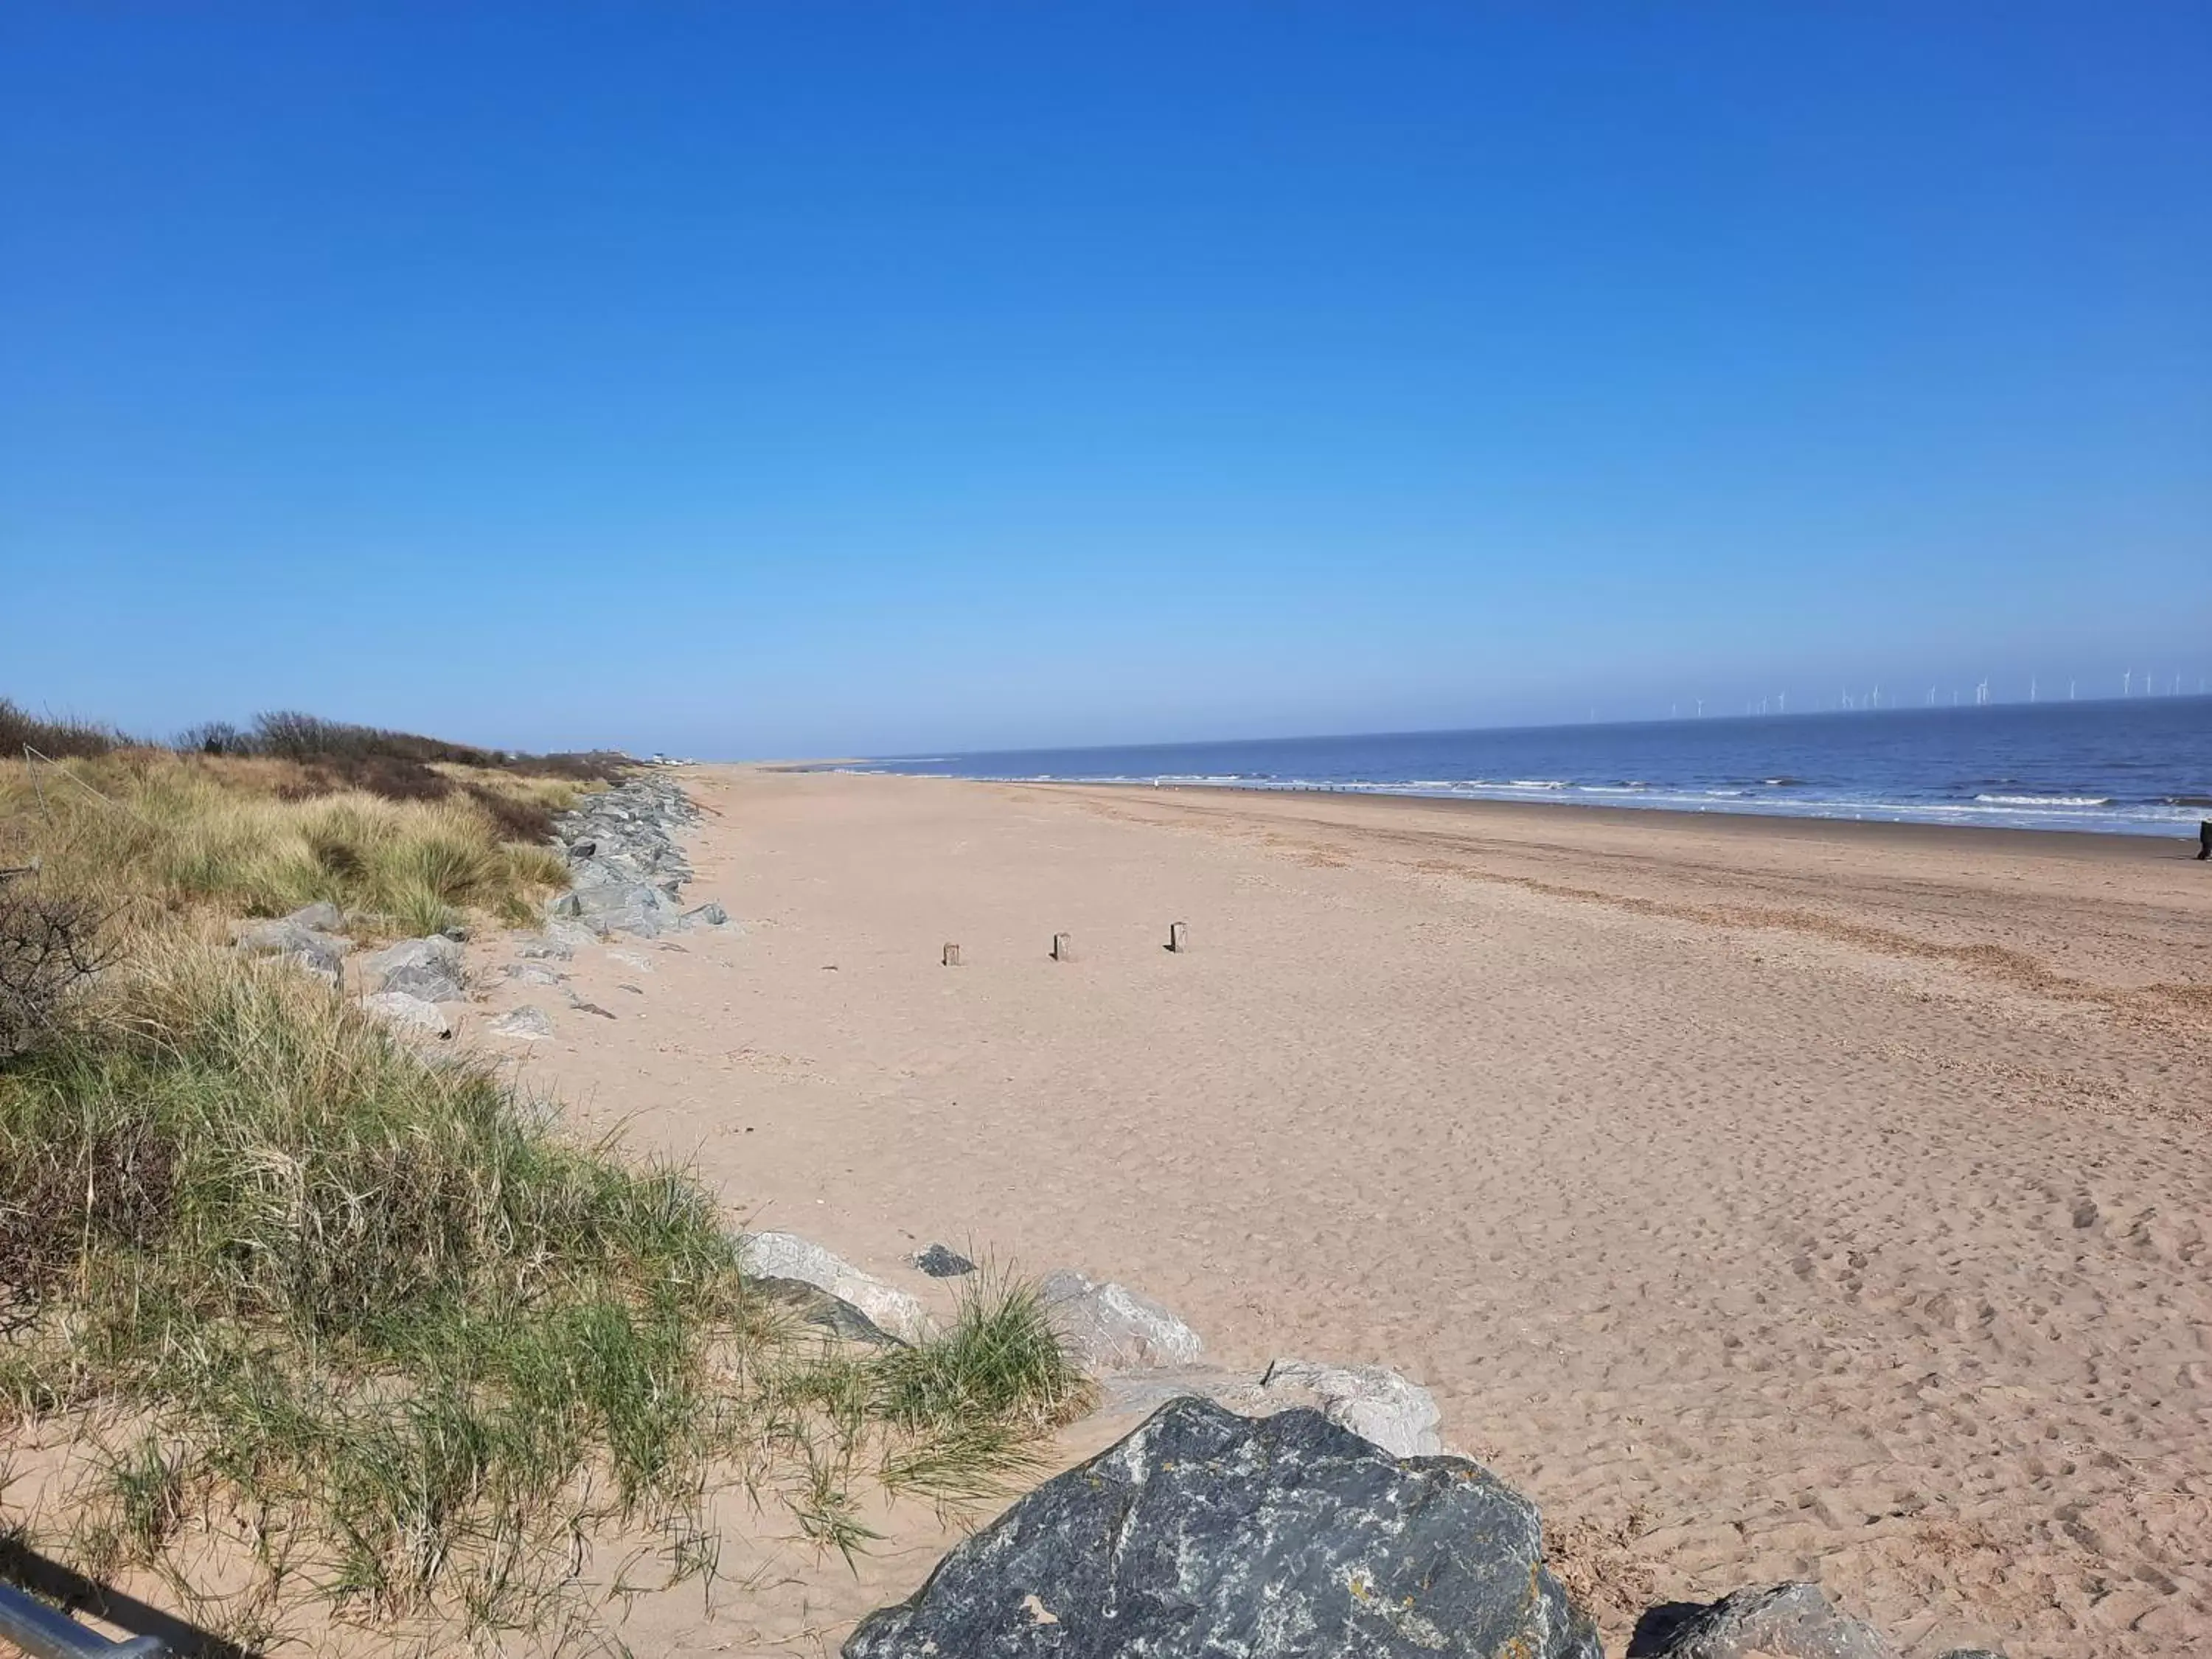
(1308, 1512)
(1205, 1533)
(1778, 1621)
(311, 939)
(1108, 1328)
(773, 1256)
(1372, 1401)
(528, 1023)
(407, 1014)
(626, 869)
(430, 969)
(1115, 1335)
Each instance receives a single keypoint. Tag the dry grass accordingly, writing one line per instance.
(157, 834)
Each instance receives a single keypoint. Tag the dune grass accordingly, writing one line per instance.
(139, 828)
(302, 1324)
(272, 1266)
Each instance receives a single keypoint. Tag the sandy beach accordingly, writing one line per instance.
(1766, 1199)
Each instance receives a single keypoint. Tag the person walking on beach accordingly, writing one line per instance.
(2204, 840)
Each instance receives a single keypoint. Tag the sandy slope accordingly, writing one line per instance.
(1832, 1201)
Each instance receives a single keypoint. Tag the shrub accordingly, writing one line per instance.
(55, 740)
(49, 950)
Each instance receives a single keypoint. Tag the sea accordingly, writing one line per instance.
(2137, 766)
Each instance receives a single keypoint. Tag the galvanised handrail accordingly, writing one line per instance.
(45, 1633)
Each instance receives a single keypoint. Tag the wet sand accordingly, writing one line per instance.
(1806, 1200)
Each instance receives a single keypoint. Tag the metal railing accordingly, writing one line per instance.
(45, 1633)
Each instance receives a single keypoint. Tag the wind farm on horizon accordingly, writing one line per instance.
(2133, 686)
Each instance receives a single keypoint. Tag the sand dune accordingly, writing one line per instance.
(1801, 1200)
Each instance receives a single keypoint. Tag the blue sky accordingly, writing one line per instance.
(828, 377)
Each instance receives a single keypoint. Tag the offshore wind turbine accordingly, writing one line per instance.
(2127, 681)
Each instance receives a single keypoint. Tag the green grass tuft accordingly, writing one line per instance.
(999, 1359)
(377, 1306)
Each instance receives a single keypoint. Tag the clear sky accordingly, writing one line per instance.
(840, 377)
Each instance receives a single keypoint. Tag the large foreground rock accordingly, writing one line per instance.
(427, 968)
(1205, 1535)
(787, 1255)
(1109, 1327)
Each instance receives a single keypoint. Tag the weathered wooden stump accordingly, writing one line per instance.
(1178, 936)
(1063, 947)
(952, 956)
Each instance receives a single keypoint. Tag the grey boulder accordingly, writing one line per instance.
(1109, 1327)
(636, 908)
(322, 915)
(816, 1307)
(1203, 1534)
(292, 939)
(625, 868)
(427, 968)
(1373, 1401)
(939, 1262)
(410, 1016)
(570, 934)
(787, 1255)
(1778, 1621)
(527, 1023)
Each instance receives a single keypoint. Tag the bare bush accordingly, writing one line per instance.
(50, 949)
(57, 739)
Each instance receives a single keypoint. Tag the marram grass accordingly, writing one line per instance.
(306, 1325)
(146, 827)
(274, 1264)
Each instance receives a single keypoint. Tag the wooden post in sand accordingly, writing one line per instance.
(1063, 947)
(1178, 936)
(952, 956)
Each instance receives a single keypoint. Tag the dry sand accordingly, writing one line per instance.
(1826, 1200)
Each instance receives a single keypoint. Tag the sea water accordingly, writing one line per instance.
(2140, 766)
